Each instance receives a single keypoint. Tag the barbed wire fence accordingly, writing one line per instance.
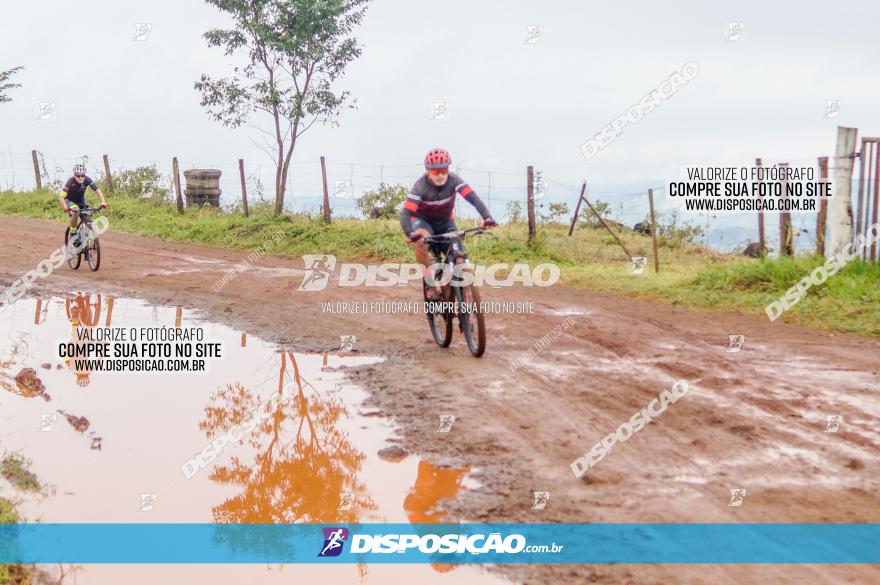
(348, 181)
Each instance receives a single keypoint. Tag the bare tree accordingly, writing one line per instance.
(296, 49)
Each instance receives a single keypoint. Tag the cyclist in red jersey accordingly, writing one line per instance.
(428, 209)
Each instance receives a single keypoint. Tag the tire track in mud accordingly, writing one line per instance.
(752, 419)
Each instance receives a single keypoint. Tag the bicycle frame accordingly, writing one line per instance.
(454, 240)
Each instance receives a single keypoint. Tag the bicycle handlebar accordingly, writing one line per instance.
(438, 238)
(81, 209)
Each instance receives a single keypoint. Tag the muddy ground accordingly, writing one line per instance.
(754, 419)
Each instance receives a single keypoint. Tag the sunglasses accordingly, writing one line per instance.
(438, 172)
(78, 175)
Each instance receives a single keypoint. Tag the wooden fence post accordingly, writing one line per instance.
(653, 230)
(840, 207)
(869, 227)
(176, 172)
(530, 201)
(762, 241)
(244, 202)
(823, 210)
(37, 176)
(326, 194)
(786, 236)
(607, 227)
(577, 209)
(107, 174)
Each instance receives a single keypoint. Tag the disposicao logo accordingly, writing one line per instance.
(334, 542)
(318, 268)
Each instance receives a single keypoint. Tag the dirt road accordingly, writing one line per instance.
(754, 419)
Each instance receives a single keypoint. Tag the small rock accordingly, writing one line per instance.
(754, 250)
(643, 227)
(46, 366)
(393, 453)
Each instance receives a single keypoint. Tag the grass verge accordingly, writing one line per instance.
(690, 276)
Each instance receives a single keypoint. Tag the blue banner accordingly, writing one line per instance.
(441, 543)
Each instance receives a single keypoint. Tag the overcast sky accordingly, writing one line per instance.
(512, 102)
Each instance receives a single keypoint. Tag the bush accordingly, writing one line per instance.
(140, 182)
(384, 202)
(588, 218)
(674, 233)
(553, 213)
(514, 212)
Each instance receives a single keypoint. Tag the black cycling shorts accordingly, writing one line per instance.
(80, 202)
(434, 228)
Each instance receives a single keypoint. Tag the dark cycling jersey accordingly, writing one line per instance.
(436, 204)
(75, 192)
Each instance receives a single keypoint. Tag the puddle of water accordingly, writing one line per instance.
(312, 458)
(195, 264)
(568, 312)
(195, 259)
(694, 479)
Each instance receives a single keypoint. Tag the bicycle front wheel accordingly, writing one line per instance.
(73, 257)
(440, 321)
(471, 320)
(93, 253)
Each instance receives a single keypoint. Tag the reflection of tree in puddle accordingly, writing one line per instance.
(422, 504)
(303, 461)
(433, 484)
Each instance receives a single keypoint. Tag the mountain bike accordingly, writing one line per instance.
(90, 247)
(455, 300)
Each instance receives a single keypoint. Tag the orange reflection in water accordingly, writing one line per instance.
(83, 311)
(303, 460)
(422, 504)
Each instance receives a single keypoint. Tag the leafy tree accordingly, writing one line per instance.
(589, 219)
(384, 202)
(5, 86)
(296, 49)
(673, 232)
(554, 212)
(514, 212)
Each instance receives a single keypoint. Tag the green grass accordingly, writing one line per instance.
(689, 276)
(13, 574)
(15, 468)
(8, 513)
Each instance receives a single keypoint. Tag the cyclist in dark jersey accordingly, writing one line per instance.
(429, 207)
(72, 195)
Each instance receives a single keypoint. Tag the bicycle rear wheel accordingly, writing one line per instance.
(470, 317)
(440, 321)
(70, 253)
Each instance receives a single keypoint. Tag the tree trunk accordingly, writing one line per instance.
(279, 189)
(840, 207)
(285, 168)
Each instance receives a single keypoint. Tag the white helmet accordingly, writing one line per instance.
(79, 169)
